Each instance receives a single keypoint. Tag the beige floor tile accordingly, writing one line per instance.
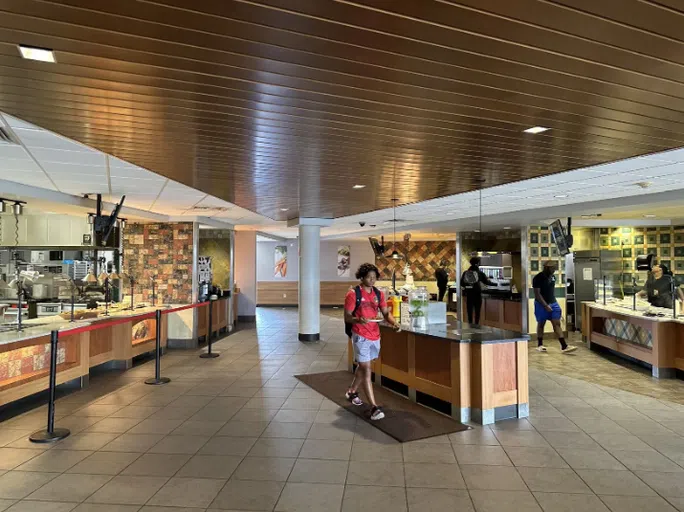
(157, 464)
(128, 490)
(492, 478)
(618, 483)
(10, 458)
(438, 500)
(86, 441)
(420, 452)
(198, 428)
(553, 480)
(97, 410)
(298, 497)
(647, 461)
(563, 502)
(331, 450)
(17, 485)
(133, 443)
(274, 447)
(376, 473)
(625, 442)
(135, 411)
(255, 415)
(99, 507)
(530, 456)
(555, 424)
(433, 475)
(70, 487)
(155, 508)
(180, 444)
(376, 452)
(478, 454)
(239, 446)
(41, 506)
(637, 504)
(247, 495)
(477, 435)
(5, 504)
(364, 431)
(665, 484)
(590, 459)
(104, 463)
(235, 428)
(294, 416)
(188, 492)
(520, 438)
(113, 425)
(287, 430)
(8, 436)
(319, 471)
(267, 402)
(210, 466)
(504, 501)
(377, 499)
(156, 426)
(572, 440)
(264, 468)
(56, 461)
(678, 503)
(331, 432)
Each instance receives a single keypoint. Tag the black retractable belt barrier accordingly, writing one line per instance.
(209, 354)
(158, 379)
(52, 434)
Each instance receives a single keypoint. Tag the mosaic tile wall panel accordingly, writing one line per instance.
(424, 258)
(162, 252)
(665, 242)
(23, 361)
(541, 249)
(626, 331)
(215, 243)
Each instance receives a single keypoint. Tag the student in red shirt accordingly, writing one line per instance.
(365, 333)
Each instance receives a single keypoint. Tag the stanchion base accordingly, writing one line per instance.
(207, 355)
(43, 436)
(155, 382)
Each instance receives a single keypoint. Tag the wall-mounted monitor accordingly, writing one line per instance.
(559, 237)
(378, 248)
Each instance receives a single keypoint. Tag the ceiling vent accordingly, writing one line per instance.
(209, 209)
(5, 137)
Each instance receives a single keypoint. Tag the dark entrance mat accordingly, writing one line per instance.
(404, 420)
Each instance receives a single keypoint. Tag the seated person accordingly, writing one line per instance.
(658, 288)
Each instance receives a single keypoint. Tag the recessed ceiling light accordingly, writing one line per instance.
(284, 209)
(476, 230)
(359, 186)
(536, 129)
(507, 227)
(561, 196)
(35, 53)
(649, 215)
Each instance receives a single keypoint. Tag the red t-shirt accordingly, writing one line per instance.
(368, 308)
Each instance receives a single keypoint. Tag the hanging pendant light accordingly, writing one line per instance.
(90, 278)
(395, 253)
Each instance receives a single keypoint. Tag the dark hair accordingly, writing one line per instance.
(366, 269)
(666, 271)
(475, 260)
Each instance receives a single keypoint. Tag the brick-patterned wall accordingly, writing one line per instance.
(424, 258)
(162, 251)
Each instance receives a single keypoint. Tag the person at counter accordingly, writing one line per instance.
(361, 307)
(546, 307)
(658, 289)
(471, 282)
(442, 277)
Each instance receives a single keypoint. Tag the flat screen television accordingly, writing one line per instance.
(559, 237)
(378, 248)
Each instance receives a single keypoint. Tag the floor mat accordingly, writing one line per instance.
(404, 420)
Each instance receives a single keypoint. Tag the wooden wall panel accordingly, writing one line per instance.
(505, 366)
(285, 293)
(433, 360)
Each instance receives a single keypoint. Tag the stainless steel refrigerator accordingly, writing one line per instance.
(586, 268)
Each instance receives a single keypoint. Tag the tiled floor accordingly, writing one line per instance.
(240, 433)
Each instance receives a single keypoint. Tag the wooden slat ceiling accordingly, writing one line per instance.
(275, 104)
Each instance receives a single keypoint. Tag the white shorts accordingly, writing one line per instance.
(365, 350)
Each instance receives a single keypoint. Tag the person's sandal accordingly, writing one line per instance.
(353, 398)
(376, 413)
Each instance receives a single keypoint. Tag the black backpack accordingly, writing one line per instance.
(357, 290)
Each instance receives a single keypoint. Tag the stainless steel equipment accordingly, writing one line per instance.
(586, 268)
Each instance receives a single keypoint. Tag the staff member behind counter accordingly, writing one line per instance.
(658, 289)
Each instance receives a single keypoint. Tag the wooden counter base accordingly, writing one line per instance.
(483, 383)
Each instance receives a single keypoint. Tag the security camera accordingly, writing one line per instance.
(362, 223)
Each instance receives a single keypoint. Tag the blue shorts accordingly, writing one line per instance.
(365, 350)
(542, 315)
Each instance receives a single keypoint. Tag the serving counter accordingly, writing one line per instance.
(478, 373)
(499, 311)
(655, 340)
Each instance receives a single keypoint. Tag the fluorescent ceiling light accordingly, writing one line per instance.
(359, 186)
(649, 216)
(561, 196)
(284, 209)
(536, 129)
(35, 53)
(507, 227)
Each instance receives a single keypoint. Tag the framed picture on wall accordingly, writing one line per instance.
(280, 261)
(344, 261)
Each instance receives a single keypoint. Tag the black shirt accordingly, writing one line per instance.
(442, 277)
(659, 292)
(546, 285)
(475, 289)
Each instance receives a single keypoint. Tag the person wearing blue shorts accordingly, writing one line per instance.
(546, 308)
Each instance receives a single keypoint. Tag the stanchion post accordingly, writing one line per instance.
(52, 434)
(209, 354)
(158, 379)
